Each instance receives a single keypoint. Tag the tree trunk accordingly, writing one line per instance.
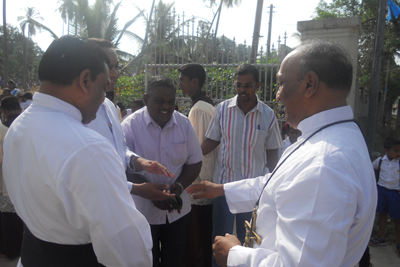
(5, 45)
(209, 30)
(216, 26)
(145, 39)
(375, 74)
(26, 44)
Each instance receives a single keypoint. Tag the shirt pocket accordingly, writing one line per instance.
(179, 154)
(259, 138)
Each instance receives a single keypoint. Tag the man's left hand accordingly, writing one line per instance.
(152, 166)
(221, 247)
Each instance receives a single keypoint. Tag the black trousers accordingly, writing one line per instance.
(169, 242)
(11, 230)
(199, 242)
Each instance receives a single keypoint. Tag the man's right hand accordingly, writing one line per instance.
(205, 189)
(152, 191)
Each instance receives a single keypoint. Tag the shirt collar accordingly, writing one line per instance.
(233, 103)
(148, 119)
(313, 123)
(387, 158)
(52, 102)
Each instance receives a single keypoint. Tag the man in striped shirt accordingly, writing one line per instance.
(248, 133)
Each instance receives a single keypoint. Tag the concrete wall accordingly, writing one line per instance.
(345, 31)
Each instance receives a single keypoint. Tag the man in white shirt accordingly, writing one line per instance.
(69, 186)
(318, 207)
(107, 123)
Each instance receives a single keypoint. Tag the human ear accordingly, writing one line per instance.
(84, 80)
(311, 83)
(145, 99)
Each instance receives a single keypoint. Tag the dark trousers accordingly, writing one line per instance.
(169, 242)
(198, 245)
(364, 262)
(11, 230)
(223, 221)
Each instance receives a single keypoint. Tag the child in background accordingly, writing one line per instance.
(387, 170)
(292, 135)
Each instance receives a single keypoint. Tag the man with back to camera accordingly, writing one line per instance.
(249, 135)
(70, 190)
(319, 204)
(174, 144)
(108, 125)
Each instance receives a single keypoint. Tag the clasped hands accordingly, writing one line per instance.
(165, 204)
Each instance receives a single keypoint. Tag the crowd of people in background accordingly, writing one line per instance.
(167, 189)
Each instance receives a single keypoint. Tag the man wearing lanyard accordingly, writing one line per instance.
(317, 206)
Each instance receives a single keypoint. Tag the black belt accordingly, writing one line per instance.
(38, 253)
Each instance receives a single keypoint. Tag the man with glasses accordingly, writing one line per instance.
(108, 125)
(248, 133)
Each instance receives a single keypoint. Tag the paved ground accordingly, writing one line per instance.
(380, 257)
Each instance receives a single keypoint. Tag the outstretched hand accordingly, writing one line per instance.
(152, 191)
(153, 167)
(221, 247)
(205, 189)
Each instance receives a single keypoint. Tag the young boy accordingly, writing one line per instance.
(388, 175)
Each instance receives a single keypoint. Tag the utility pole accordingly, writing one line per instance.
(271, 7)
(256, 32)
(376, 69)
(5, 45)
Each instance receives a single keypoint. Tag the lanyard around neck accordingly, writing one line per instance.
(308, 138)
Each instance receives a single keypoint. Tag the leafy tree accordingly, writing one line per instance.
(367, 10)
(15, 43)
(30, 21)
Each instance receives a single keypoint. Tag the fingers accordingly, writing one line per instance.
(198, 196)
(161, 186)
(196, 188)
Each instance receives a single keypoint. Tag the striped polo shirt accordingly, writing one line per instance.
(244, 139)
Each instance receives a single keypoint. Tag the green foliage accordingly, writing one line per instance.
(15, 55)
(128, 89)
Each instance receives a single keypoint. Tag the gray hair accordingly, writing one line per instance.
(159, 81)
(329, 60)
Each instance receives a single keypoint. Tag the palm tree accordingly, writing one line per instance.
(5, 43)
(228, 3)
(67, 10)
(30, 21)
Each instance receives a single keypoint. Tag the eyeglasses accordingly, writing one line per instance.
(246, 86)
(117, 66)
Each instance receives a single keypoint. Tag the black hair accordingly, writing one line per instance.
(11, 81)
(27, 96)
(330, 61)
(103, 43)
(390, 143)
(140, 103)
(245, 69)
(159, 81)
(10, 103)
(67, 57)
(121, 106)
(194, 70)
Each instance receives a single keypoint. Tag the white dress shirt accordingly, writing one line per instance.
(319, 207)
(66, 183)
(108, 125)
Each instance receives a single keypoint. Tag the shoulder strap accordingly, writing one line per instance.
(377, 174)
